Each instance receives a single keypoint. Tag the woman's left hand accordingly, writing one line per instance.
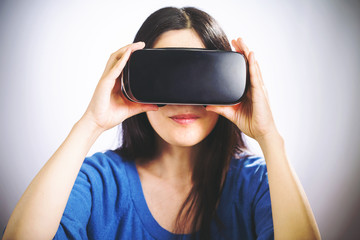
(253, 115)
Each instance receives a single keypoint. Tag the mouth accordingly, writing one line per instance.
(185, 118)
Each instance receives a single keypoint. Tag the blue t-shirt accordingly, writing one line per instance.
(107, 202)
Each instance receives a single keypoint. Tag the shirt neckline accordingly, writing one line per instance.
(142, 209)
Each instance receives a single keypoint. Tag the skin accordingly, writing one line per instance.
(167, 178)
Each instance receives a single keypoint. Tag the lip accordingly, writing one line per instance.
(185, 118)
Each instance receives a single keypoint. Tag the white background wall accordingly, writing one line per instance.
(52, 54)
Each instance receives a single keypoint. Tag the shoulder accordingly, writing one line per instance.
(247, 175)
(106, 171)
(99, 198)
(102, 162)
(248, 167)
(245, 203)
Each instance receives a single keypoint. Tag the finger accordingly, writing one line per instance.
(117, 86)
(120, 64)
(115, 57)
(254, 78)
(261, 80)
(243, 47)
(112, 72)
(137, 108)
(226, 111)
(266, 94)
(235, 45)
(109, 81)
(240, 47)
(149, 107)
(259, 72)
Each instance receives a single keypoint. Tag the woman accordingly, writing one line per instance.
(171, 178)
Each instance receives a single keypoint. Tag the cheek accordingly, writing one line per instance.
(182, 135)
(209, 123)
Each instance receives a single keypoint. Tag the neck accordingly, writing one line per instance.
(172, 162)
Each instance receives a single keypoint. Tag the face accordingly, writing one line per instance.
(181, 125)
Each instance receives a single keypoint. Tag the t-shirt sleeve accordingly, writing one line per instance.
(77, 211)
(262, 206)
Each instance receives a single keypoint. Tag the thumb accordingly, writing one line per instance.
(225, 111)
(137, 108)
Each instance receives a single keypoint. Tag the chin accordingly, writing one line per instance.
(184, 144)
(188, 141)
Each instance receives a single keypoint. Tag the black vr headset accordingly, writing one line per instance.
(186, 76)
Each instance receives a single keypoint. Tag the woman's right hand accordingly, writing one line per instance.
(108, 106)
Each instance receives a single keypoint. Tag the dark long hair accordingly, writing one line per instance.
(224, 141)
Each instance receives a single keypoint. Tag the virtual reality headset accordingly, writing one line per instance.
(186, 76)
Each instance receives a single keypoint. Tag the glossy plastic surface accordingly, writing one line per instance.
(185, 76)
